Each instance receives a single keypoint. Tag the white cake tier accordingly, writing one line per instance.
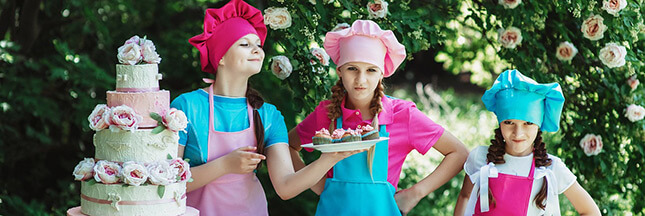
(139, 146)
(115, 199)
(143, 103)
(137, 78)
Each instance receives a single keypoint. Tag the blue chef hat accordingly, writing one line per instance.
(515, 96)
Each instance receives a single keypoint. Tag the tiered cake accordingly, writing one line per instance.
(135, 170)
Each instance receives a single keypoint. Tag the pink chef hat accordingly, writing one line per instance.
(224, 26)
(365, 42)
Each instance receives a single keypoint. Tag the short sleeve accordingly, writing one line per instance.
(180, 103)
(476, 159)
(564, 176)
(275, 128)
(423, 133)
(313, 122)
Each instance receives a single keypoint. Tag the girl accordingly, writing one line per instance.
(515, 175)
(230, 127)
(365, 54)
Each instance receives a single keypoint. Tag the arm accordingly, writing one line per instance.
(298, 163)
(581, 200)
(241, 160)
(286, 181)
(464, 196)
(455, 155)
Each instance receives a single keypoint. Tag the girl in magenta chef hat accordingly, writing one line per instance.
(365, 54)
(231, 130)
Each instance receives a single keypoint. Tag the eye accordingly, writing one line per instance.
(528, 123)
(244, 44)
(507, 122)
(372, 70)
(259, 46)
(351, 68)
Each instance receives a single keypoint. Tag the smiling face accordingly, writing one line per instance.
(360, 80)
(519, 136)
(245, 56)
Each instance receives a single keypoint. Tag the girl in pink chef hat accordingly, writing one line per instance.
(365, 54)
(231, 130)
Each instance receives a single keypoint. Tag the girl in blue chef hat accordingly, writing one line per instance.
(515, 175)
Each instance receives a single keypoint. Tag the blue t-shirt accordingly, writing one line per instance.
(230, 115)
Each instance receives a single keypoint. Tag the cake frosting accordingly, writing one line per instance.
(143, 103)
(116, 199)
(137, 78)
(140, 145)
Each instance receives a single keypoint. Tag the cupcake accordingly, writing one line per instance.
(321, 137)
(351, 136)
(368, 132)
(337, 135)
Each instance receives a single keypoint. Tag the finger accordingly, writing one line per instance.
(254, 161)
(248, 148)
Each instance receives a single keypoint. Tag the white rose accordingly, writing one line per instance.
(510, 4)
(593, 27)
(107, 172)
(175, 120)
(84, 170)
(277, 18)
(100, 117)
(591, 144)
(182, 169)
(321, 55)
(613, 55)
(633, 82)
(613, 6)
(377, 9)
(134, 174)
(134, 39)
(124, 117)
(635, 113)
(148, 50)
(566, 51)
(340, 26)
(510, 37)
(160, 173)
(281, 67)
(129, 54)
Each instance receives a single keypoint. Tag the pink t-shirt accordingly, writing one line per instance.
(409, 129)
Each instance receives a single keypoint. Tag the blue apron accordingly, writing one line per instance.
(351, 191)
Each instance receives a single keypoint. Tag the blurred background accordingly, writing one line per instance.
(57, 60)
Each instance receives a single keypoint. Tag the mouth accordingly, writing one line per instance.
(359, 88)
(255, 60)
(518, 141)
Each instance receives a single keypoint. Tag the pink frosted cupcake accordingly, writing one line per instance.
(351, 136)
(337, 135)
(321, 137)
(368, 132)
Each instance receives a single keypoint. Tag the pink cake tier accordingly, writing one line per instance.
(76, 211)
(143, 103)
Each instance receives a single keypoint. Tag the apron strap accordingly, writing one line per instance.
(210, 104)
(551, 185)
(485, 172)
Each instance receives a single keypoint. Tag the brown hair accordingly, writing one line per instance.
(496, 153)
(338, 94)
(256, 101)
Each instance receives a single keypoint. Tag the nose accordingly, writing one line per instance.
(518, 130)
(361, 78)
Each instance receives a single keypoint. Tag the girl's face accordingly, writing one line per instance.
(245, 56)
(360, 80)
(519, 136)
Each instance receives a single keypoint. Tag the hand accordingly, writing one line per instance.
(243, 160)
(406, 199)
(338, 156)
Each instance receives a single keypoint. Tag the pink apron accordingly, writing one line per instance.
(512, 193)
(231, 194)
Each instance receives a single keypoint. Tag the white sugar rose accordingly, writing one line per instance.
(591, 144)
(613, 6)
(510, 37)
(566, 51)
(175, 120)
(124, 118)
(129, 54)
(633, 82)
(277, 18)
(321, 55)
(635, 112)
(377, 9)
(134, 39)
(107, 172)
(84, 170)
(281, 66)
(340, 26)
(148, 50)
(134, 174)
(100, 117)
(510, 4)
(182, 169)
(593, 27)
(613, 55)
(160, 173)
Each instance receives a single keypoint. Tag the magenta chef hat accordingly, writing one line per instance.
(365, 42)
(224, 26)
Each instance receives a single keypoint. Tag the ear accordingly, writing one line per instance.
(221, 61)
